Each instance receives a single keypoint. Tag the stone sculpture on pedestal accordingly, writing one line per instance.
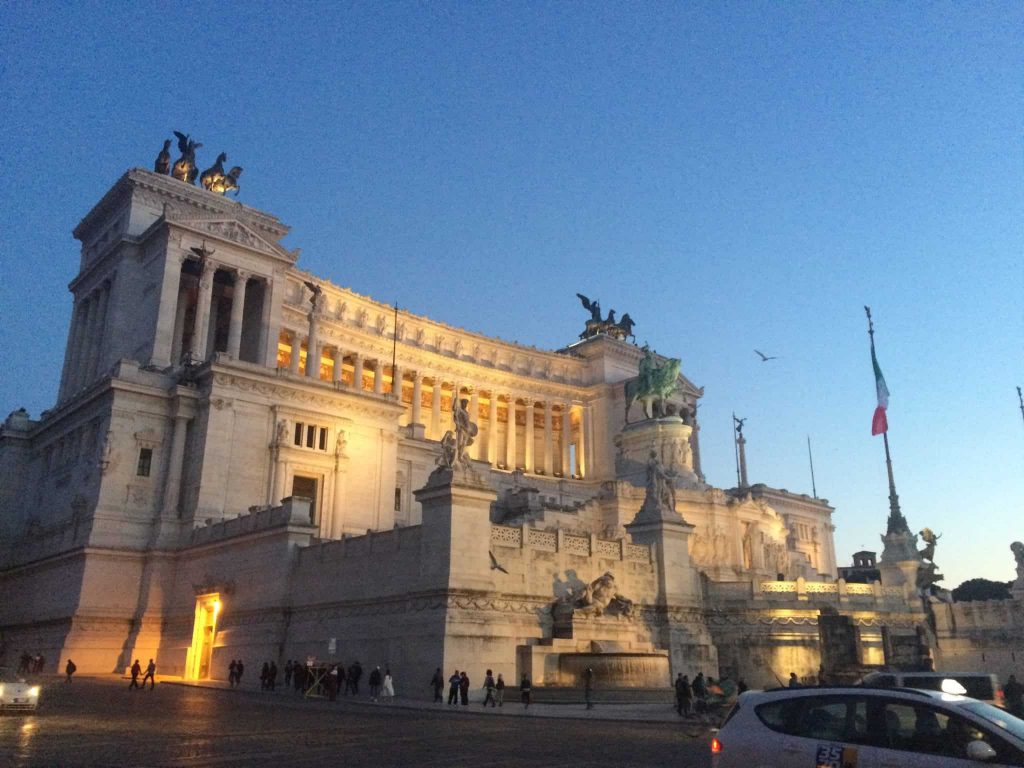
(654, 385)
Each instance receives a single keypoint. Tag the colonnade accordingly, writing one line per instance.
(562, 449)
(87, 339)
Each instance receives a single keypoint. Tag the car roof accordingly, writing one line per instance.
(778, 694)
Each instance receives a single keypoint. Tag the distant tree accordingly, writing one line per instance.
(982, 589)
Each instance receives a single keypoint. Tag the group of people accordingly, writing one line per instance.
(494, 689)
(235, 670)
(698, 696)
(150, 675)
(268, 676)
(31, 665)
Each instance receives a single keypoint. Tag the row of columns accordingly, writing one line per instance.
(87, 339)
(437, 423)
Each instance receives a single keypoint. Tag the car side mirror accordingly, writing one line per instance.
(980, 751)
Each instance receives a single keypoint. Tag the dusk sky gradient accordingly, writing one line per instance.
(733, 175)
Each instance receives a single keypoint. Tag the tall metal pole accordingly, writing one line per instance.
(736, 449)
(1021, 398)
(810, 458)
(897, 523)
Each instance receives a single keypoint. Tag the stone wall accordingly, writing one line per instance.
(981, 636)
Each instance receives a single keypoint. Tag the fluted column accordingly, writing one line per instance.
(269, 331)
(312, 349)
(175, 461)
(237, 305)
(167, 320)
(357, 372)
(296, 358)
(201, 333)
(510, 435)
(583, 445)
(492, 429)
(567, 470)
(339, 364)
(435, 410)
(417, 397)
(378, 378)
(549, 459)
(474, 409)
(529, 461)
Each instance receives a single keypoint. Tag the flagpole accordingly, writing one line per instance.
(810, 458)
(1021, 398)
(396, 386)
(897, 523)
(736, 450)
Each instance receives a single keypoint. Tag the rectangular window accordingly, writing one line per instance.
(310, 436)
(323, 438)
(145, 462)
(398, 499)
(298, 434)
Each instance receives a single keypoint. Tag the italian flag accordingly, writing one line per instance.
(878, 421)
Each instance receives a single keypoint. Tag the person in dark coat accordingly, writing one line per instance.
(288, 673)
(355, 673)
(272, 678)
(588, 687)
(464, 688)
(232, 668)
(453, 687)
(298, 677)
(136, 671)
(239, 669)
(69, 670)
(489, 686)
(332, 683)
(499, 690)
(437, 683)
(265, 676)
(794, 681)
(374, 683)
(525, 689)
(1014, 696)
(700, 693)
(683, 695)
(150, 675)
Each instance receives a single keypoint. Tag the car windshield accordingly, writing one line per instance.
(996, 716)
(10, 676)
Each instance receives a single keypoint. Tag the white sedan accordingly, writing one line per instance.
(854, 727)
(16, 692)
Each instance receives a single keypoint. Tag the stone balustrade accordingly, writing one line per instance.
(801, 590)
(524, 537)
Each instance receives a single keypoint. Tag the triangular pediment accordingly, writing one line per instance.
(234, 231)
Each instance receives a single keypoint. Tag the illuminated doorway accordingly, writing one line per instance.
(204, 631)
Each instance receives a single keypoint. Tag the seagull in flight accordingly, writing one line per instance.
(494, 564)
(765, 358)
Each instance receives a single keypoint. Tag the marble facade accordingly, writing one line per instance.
(233, 451)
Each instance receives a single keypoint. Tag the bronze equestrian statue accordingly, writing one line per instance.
(185, 166)
(163, 160)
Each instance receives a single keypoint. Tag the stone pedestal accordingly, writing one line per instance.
(900, 561)
(456, 530)
(668, 437)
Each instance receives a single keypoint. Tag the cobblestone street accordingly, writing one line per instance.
(99, 722)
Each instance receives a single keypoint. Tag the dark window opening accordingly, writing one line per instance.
(145, 462)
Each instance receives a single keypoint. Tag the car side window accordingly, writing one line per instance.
(780, 716)
(923, 729)
(834, 718)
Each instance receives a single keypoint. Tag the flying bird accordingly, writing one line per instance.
(765, 358)
(494, 564)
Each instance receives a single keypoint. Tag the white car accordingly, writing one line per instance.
(15, 692)
(855, 727)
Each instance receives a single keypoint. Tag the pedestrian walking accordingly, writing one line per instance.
(354, 675)
(464, 688)
(150, 675)
(683, 695)
(453, 687)
(700, 694)
(588, 687)
(375, 683)
(136, 671)
(265, 676)
(388, 688)
(69, 670)
(232, 669)
(525, 689)
(437, 683)
(499, 690)
(239, 669)
(489, 688)
(298, 677)
(288, 666)
(272, 678)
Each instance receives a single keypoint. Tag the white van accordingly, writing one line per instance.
(977, 685)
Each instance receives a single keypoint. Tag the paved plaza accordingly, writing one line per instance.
(99, 722)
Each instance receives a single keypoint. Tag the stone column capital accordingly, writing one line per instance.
(242, 275)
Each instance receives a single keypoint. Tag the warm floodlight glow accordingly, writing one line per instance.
(949, 685)
(216, 606)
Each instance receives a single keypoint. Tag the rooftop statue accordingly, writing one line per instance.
(622, 329)
(930, 540)
(185, 166)
(163, 160)
(1018, 555)
(654, 385)
(216, 180)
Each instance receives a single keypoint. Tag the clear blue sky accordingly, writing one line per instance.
(734, 175)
